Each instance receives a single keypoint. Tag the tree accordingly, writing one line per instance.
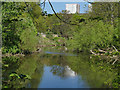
(37, 16)
(99, 29)
(106, 11)
(18, 30)
(95, 34)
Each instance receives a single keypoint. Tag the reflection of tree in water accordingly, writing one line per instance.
(29, 66)
(58, 64)
(53, 59)
(63, 67)
(58, 70)
(37, 76)
(91, 70)
(63, 71)
(6, 71)
(84, 66)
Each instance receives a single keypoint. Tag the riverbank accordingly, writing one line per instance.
(112, 55)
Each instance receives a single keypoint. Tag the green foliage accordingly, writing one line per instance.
(35, 9)
(59, 40)
(6, 65)
(106, 11)
(12, 50)
(18, 29)
(28, 36)
(92, 35)
(9, 60)
(99, 29)
(59, 27)
(21, 76)
(49, 35)
(40, 24)
(37, 17)
(14, 75)
(17, 74)
(9, 17)
(77, 19)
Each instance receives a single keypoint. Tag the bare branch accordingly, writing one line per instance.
(93, 52)
(114, 61)
(102, 50)
(115, 48)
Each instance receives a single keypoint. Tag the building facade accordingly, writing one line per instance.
(73, 8)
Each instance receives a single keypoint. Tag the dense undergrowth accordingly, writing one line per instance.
(96, 32)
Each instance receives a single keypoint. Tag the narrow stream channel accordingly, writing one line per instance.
(59, 75)
(53, 68)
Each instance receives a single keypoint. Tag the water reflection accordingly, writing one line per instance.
(66, 71)
(63, 79)
(61, 70)
(70, 72)
(65, 54)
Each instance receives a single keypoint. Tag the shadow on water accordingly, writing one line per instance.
(57, 69)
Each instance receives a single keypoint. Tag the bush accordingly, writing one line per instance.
(91, 35)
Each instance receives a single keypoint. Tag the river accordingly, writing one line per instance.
(56, 68)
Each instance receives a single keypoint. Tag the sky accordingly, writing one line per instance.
(59, 6)
(61, 0)
(83, 0)
(68, 0)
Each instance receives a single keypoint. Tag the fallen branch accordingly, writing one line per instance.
(93, 52)
(114, 61)
(115, 48)
(110, 61)
(102, 50)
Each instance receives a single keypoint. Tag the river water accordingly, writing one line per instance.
(54, 68)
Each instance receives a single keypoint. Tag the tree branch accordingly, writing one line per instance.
(58, 16)
(115, 48)
(114, 61)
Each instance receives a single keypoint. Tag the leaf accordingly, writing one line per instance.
(28, 77)
(14, 74)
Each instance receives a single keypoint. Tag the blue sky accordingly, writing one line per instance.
(83, 0)
(59, 6)
(68, 0)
